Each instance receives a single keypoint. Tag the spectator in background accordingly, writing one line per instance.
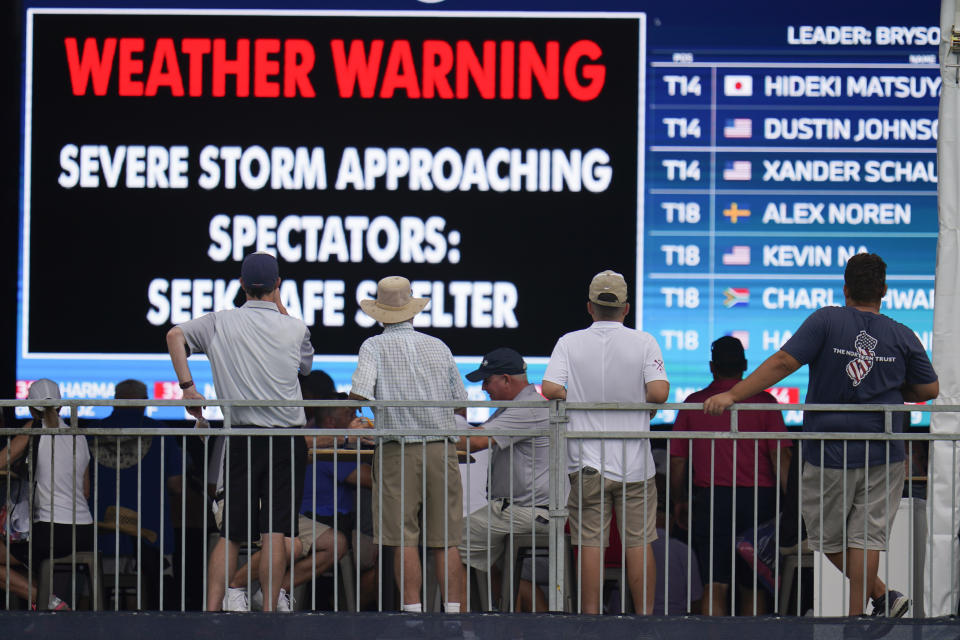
(255, 353)
(149, 468)
(856, 355)
(519, 491)
(62, 484)
(673, 585)
(317, 385)
(404, 364)
(712, 465)
(607, 362)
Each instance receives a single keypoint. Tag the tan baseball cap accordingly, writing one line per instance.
(611, 286)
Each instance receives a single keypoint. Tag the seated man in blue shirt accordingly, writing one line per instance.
(139, 467)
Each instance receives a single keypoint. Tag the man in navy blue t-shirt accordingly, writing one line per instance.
(856, 356)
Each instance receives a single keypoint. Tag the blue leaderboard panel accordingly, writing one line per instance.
(764, 177)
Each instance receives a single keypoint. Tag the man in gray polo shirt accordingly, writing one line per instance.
(255, 353)
(519, 490)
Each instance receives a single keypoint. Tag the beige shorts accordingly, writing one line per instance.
(429, 491)
(308, 534)
(858, 497)
(364, 551)
(639, 518)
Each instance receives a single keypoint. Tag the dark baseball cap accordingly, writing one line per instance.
(728, 351)
(501, 360)
(260, 269)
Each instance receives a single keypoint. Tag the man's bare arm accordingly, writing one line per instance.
(477, 443)
(657, 391)
(553, 391)
(771, 371)
(920, 392)
(320, 442)
(177, 346)
(678, 475)
(785, 455)
(13, 451)
(362, 476)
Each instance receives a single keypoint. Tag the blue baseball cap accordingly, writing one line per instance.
(260, 269)
(502, 360)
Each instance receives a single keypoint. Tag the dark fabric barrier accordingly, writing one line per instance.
(367, 626)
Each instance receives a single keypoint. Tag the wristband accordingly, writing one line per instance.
(186, 385)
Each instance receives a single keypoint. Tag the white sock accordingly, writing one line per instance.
(452, 607)
(416, 607)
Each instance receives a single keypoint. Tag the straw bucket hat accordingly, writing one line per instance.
(395, 302)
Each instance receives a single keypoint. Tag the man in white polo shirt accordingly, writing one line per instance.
(255, 353)
(607, 362)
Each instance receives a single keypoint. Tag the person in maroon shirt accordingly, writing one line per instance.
(727, 366)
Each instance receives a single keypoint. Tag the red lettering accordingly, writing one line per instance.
(547, 73)
(298, 60)
(595, 73)
(128, 66)
(164, 70)
(506, 69)
(238, 67)
(264, 67)
(92, 65)
(484, 75)
(437, 64)
(400, 73)
(357, 68)
(195, 48)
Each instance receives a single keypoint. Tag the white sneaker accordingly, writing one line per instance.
(236, 600)
(257, 600)
(284, 601)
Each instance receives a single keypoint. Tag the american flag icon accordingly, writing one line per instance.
(739, 256)
(738, 128)
(738, 170)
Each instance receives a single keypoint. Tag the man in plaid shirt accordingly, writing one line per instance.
(404, 364)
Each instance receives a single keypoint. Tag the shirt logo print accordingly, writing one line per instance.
(858, 368)
(659, 365)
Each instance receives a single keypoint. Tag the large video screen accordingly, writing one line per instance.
(727, 165)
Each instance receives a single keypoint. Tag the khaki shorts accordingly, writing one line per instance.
(364, 551)
(442, 505)
(640, 518)
(308, 534)
(863, 501)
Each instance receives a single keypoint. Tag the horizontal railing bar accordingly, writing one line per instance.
(211, 402)
(454, 404)
(755, 435)
(273, 431)
(575, 435)
(856, 408)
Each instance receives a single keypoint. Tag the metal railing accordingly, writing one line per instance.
(559, 585)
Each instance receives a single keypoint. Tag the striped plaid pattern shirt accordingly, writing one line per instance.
(404, 364)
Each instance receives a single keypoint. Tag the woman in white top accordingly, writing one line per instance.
(60, 495)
